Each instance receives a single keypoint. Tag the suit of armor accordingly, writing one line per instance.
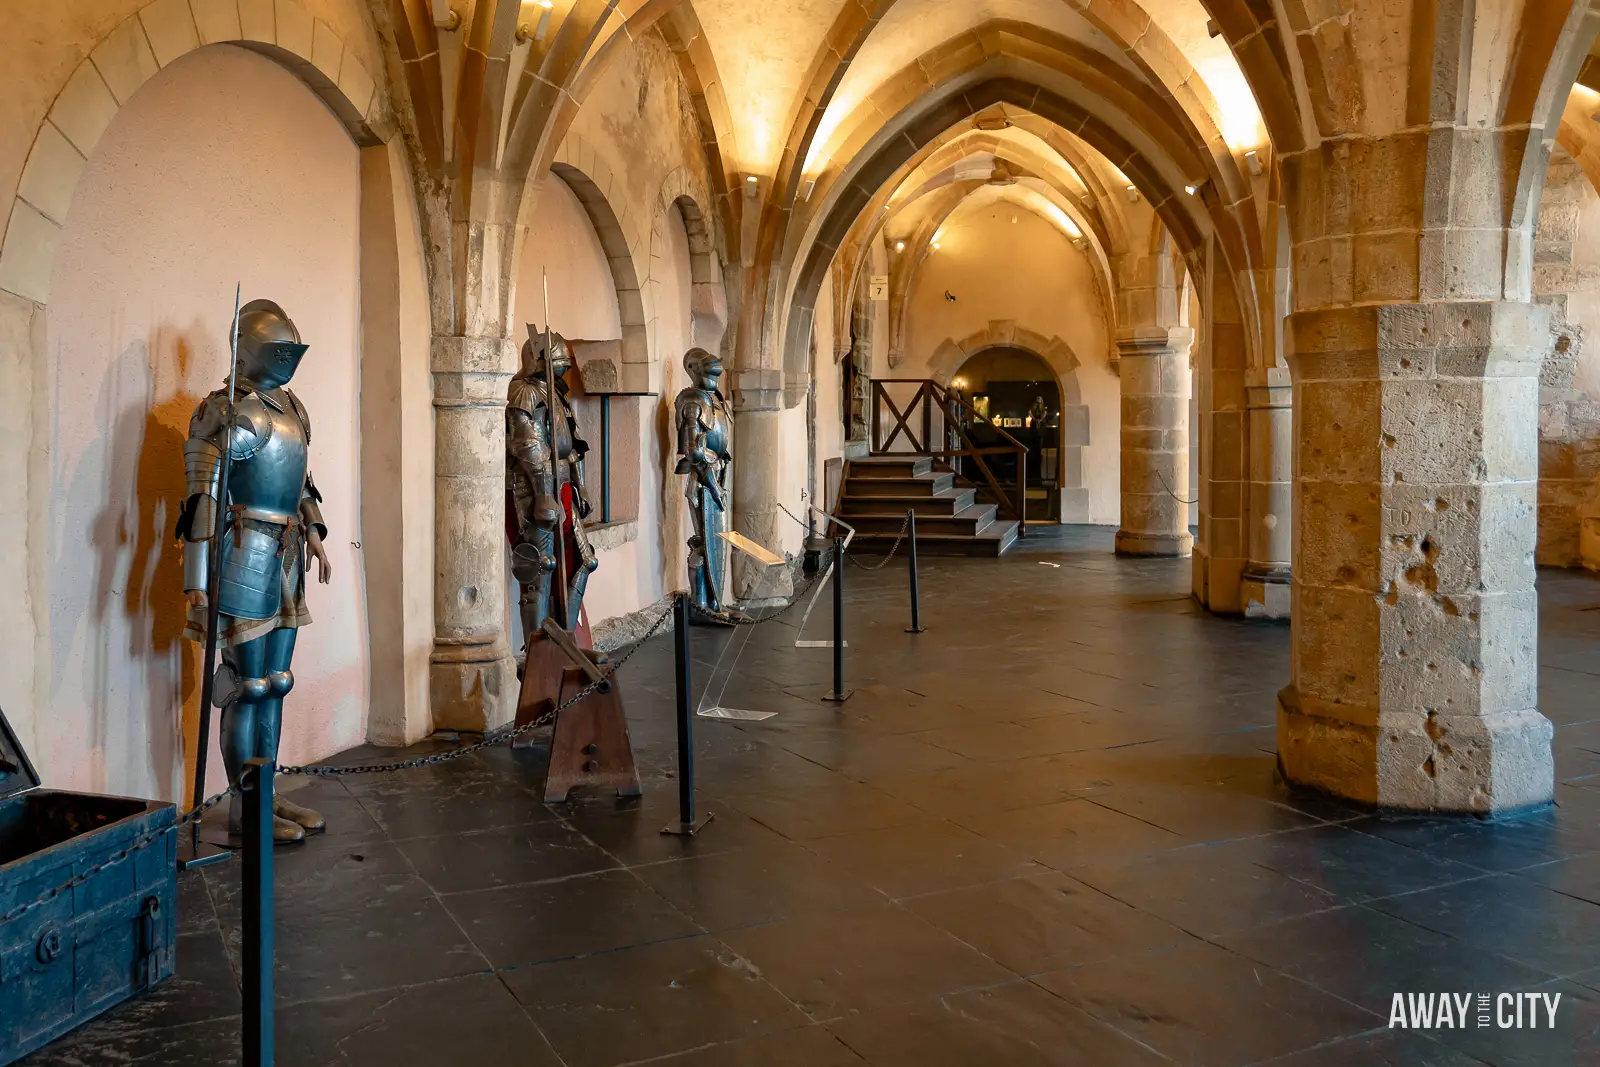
(272, 522)
(705, 448)
(542, 455)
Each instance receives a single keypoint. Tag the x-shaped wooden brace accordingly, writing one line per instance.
(901, 418)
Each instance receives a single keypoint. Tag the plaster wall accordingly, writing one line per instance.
(1566, 277)
(1029, 273)
(167, 215)
(44, 43)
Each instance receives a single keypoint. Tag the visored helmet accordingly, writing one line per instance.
(704, 368)
(269, 345)
(533, 354)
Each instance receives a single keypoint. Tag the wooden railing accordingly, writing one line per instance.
(953, 410)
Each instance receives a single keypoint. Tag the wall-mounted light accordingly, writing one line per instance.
(1191, 189)
(806, 187)
(1252, 159)
(935, 246)
(1212, 28)
(899, 246)
(1133, 194)
(752, 186)
(528, 32)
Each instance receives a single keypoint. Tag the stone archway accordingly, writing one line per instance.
(155, 37)
(708, 298)
(624, 241)
(950, 354)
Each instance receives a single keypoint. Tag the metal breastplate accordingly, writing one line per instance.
(717, 431)
(267, 479)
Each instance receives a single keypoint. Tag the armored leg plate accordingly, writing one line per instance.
(590, 746)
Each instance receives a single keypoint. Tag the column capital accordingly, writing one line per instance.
(1154, 340)
(471, 371)
(1458, 339)
(758, 389)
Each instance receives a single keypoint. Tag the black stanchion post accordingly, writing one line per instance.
(916, 626)
(687, 825)
(839, 694)
(257, 951)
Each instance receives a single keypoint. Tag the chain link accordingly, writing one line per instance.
(884, 562)
(142, 842)
(799, 595)
(496, 737)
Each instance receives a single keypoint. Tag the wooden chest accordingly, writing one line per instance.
(94, 945)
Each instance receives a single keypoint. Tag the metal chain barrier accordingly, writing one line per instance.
(884, 562)
(497, 737)
(1171, 493)
(799, 595)
(142, 842)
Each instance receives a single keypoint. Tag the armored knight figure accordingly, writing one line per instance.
(272, 523)
(705, 448)
(544, 477)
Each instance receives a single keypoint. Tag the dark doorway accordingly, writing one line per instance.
(1018, 392)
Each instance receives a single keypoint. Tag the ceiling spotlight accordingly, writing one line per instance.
(1133, 194)
(806, 187)
(1212, 28)
(992, 123)
(1252, 159)
(935, 246)
(752, 186)
(899, 246)
(1191, 189)
(546, 4)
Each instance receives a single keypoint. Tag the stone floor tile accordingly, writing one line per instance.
(870, 958)
(1045, 922)
(1202, 1005)
(646, 1002)
(521, 925)
(1018, 1025)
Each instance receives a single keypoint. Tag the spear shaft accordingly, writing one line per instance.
(208, 677)
(556, 466)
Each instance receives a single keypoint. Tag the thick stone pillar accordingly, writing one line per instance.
(1414, 671)
(1155, 442)
(1270, 408)
(473, 678)
(757, 477)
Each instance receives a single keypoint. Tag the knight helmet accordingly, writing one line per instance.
(533, 354)
(269, 345)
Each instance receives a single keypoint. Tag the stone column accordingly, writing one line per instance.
(1265, 585)
(757, 478)
(1414, 671)
(473, 678)
(1155, 442)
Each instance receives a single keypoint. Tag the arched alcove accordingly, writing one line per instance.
(167, 216)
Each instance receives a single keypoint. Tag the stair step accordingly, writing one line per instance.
(968, 522)
(993, 541)
(949, 502)
(875, 467)
(897, 487)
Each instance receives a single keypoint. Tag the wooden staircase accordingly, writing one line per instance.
(951, 520)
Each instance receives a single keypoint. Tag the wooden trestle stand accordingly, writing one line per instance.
(590, 744)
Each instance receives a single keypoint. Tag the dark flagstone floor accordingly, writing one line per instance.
(1044, 832)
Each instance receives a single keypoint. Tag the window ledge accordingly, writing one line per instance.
(609, 535)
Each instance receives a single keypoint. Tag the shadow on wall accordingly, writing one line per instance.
(130, 481)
